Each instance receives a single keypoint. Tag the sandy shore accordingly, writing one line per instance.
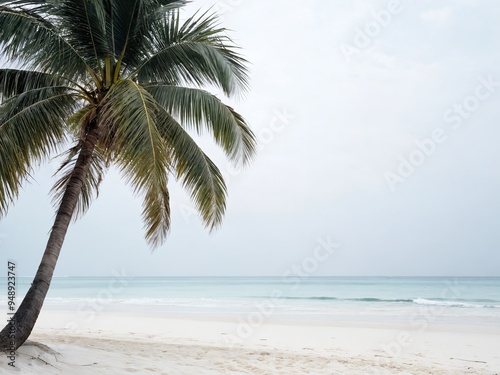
(118, 343)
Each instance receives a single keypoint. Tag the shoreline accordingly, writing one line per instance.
(118, 343)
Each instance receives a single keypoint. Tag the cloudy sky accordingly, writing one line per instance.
(378, 131)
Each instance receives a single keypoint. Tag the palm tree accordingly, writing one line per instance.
(122, 81)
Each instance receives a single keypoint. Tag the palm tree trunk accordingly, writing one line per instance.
(25, 318)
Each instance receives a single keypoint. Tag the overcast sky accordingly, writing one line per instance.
(378, 130)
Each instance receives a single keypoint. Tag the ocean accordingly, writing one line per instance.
(412, 300)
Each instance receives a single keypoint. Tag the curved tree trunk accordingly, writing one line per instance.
(25, 318)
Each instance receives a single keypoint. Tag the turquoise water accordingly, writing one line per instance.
(404, 299)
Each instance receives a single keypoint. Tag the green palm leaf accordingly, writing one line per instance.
(204, 111)
(196, 171)
(31, 128)
(15, 82)
(195, 53)
(29, 38)
(85, 24)
(90, 190)
(98, 166)
(148, 16)
(129, 114)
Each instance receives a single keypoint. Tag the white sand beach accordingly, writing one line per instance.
(122, 343)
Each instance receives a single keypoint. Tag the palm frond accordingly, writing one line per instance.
(203, 111)
(195, 170)
(90, 189)
(32, 40)
(150, 14)
(129, 112)
(124, 16)
(84, 25)
(15, 82)
(75, 123)
(31, 127)
(195, 53)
